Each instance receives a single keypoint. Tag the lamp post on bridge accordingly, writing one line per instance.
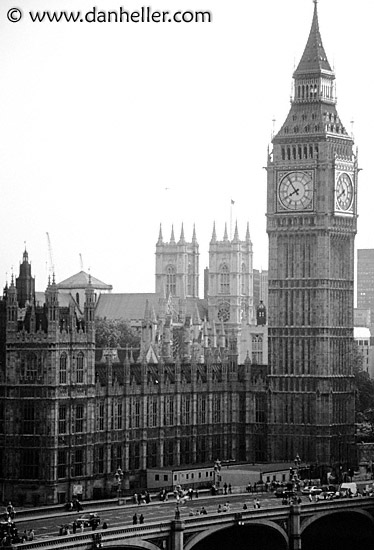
(119, 477)
(217, 474)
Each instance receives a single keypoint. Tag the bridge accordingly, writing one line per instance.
(348, 523)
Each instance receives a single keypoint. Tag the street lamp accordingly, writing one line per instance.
(119, 477)
(217, 476)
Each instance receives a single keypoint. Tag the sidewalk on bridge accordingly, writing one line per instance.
(111, 504)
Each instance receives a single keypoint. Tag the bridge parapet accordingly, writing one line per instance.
(183, 534)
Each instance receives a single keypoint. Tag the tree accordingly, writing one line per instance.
(115, 333)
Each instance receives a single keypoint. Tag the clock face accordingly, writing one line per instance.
(224, 311)
(344, 192)
(295, 191)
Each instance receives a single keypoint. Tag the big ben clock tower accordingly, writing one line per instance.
(311, 223)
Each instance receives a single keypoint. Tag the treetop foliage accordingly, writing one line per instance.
(115, 333)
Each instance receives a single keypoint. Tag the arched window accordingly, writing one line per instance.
(171, 286)
(63, 365)
(190, 285)
(224, 280)
(243, 279)
(80, 365)
(77, 298)
(31, 366)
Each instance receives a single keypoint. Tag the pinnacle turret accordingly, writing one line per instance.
(214, 235)
(247, 235)
(172, 238)
(160, 240)
(194, 240)
(181, 238)
(225, 235)
(236, 233)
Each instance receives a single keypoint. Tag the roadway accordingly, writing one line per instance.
(47, 525)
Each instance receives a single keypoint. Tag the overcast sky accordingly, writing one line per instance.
(109, 129)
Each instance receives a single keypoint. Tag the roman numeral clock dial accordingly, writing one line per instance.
(295, 191)
(344, 193)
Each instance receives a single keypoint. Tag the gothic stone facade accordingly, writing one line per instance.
(311, 223)
(71, 414)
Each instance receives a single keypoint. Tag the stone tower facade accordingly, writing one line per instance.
(230, 280)
(177, 266)
(47, 402)
(25, 283)
(311, 224)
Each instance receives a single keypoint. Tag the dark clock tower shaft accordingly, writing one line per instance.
(311, 223)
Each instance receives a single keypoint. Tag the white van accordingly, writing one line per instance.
(348, 489)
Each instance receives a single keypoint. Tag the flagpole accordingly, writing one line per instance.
(230, 220)
(231, 203)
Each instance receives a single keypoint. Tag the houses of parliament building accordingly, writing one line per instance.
(247, 373)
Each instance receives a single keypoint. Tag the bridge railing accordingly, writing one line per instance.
(84, 541)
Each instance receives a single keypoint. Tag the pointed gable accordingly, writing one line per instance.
(82, 280)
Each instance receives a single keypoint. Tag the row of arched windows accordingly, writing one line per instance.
(171, 281)
(79, 368)
(299, 152)
(224, 279)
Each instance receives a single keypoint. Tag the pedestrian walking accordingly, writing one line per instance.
(225, 488)
(141, 518)
(310, 498)
(230, 489)
(135, 519)
(10, 510)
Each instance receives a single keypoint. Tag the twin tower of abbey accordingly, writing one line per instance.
(246, 373)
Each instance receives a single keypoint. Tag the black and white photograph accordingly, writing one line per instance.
(187, 275)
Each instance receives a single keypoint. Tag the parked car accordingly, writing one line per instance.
(280, 492)
(88, 520)
(312, 490)
(327, 493)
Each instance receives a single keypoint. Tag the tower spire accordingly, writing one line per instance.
(214, 235)
(181, 238)
(236, 233)
(225, 235)
(172, 238)
(160, 236)
(314, 59)
(194, 240)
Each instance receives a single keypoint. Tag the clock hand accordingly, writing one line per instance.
(292, 185)
(295, 191)
(341, 194)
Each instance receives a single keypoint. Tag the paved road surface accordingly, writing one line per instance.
(46, 527)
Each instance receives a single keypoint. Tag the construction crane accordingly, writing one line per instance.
(51, 263)
(81, 261)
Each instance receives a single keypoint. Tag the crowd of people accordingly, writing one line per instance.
(9, 533)
(142, 497)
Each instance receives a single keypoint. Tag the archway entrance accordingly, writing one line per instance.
(246, 537)
(339, 531)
